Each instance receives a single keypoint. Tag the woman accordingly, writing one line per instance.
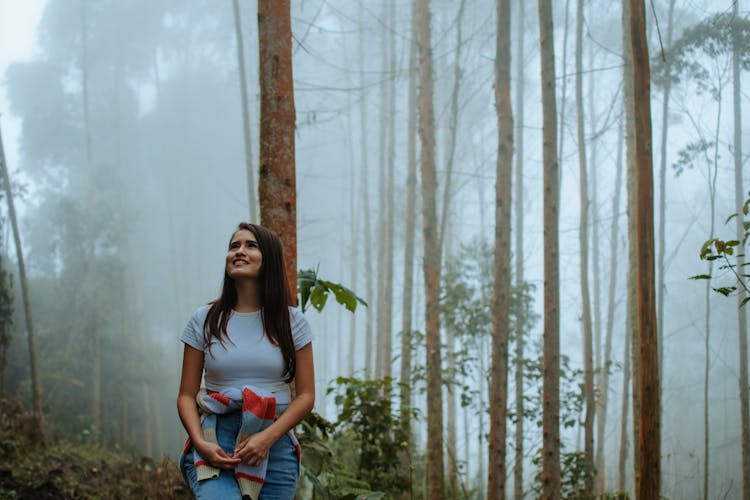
(251, 344)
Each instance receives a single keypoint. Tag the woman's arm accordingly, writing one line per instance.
(255, 448)
(190, 381)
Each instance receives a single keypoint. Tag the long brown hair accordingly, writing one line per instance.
(275, 299)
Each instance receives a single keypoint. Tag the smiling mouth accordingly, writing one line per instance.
(239, 261)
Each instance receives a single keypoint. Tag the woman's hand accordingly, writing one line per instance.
(215, 456)
(253, 449)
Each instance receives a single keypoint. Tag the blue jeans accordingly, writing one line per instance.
(281, 476)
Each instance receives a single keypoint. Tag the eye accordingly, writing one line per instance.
(252, 244)
(234, 244)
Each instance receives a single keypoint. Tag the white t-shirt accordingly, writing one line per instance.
(247, 356)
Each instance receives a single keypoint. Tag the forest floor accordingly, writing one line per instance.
(34, 468)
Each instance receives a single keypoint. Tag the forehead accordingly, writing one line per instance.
(243, 235)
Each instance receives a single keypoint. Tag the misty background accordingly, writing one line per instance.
(168, 185)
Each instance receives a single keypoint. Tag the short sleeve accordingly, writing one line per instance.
(301, 331)
(192, 334)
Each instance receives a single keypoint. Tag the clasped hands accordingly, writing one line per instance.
(251, 451)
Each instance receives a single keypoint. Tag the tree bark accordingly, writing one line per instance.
(501, 290)
(629, 108)
(551, 482)
(648, 363)
(277, 191)
(246, 129)
(518, 201)
(623, 455)
(588, 368)
(741, 311)
(431, 262)
(36, 388)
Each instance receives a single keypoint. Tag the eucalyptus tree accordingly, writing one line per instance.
(431, 263)
(501, 268)
(277, 192)
(588, 377)
(551, 482)
(649, 438)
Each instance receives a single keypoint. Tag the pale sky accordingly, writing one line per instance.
(18, 23)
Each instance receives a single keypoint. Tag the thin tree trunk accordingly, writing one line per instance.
(431, 262)
(411, 195)
(629, 107)
(452, 465)
(663, 197)
(518, 200)
(353, 243)
(588, 369)
(551, 482)
(36, 388)
(387, 324)
(648, 364)
(601, 418)
(246, 130)
(563, 98)
(382, 284)
(741, 311)
(501, 291)
(623, 457)
(363, 118)
(713, 172)
(93, 320)
(277, 191)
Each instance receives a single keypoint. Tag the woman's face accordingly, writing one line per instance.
(244, 259)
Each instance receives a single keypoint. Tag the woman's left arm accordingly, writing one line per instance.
(255, 448)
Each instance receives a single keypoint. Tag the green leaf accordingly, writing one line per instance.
(700, 277)
(744, 301)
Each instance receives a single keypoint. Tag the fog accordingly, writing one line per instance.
(137, 239)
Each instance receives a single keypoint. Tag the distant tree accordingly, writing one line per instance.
(588, 341)
(252, 196)
(277, 191)
(36, 388)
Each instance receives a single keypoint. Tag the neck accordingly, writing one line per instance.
(248, 296)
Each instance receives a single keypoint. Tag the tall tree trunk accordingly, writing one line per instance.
(713, 171)
(411, 195)
(382, 205)
(518, 201)
(92, 319)
(563, 97)
(353, 240)
(588, 368)
(36, 388)
(648, 363)
(277, 186)
(246, 130)
(601, 417)
(431, 262)
(629, 108)
(501, 291)
(741, 312)
(452, 465)
(551, 482)
(365, 183)
(387, 324)
(663, 197)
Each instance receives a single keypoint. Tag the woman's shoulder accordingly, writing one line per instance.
(201, 312)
